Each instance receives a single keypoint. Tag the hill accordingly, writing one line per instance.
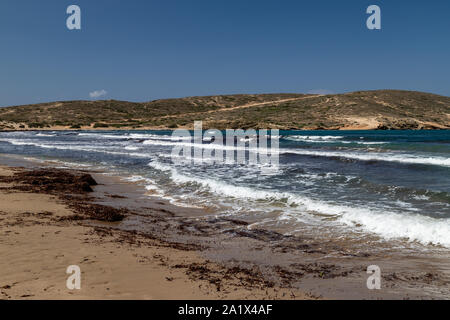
(382, 109)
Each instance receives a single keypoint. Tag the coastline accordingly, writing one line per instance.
(191, 127)
(360, 110)
(42, 235)
(162, 251)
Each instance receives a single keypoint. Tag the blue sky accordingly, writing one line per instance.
(141, 50)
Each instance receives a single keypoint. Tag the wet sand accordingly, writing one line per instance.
(132, 246)
(44, 230)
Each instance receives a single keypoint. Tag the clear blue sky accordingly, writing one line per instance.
(142, 50)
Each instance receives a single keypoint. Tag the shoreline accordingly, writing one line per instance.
(359, 110)
(361, 128)
(201, 255)
(43, 234)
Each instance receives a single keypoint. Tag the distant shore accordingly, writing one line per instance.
(362, 128)
(362, 110)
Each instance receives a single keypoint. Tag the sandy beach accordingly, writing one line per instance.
(41, 236)
(130, 246)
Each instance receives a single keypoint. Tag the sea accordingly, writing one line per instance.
(378, 186)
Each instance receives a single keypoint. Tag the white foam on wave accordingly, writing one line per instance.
(213, 146)
(148, 184)
(391, 157)
(26, 142)
(18, 134)
(331, 139)
(131, 148)
(412, 227)
(68, 164)
(135, 178)
(102, 135)
(127, 136)
(45, 135)
(157, 137)
(317, 139)
(58, 146)
(387, 224)
(364, 143)
(421, 197)
(368, 156)
(64, 146)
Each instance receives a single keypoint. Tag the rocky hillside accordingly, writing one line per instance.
(383, 109)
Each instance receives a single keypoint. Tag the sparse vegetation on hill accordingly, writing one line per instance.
(383, 109)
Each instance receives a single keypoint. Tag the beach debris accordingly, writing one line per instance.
(51, 181)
